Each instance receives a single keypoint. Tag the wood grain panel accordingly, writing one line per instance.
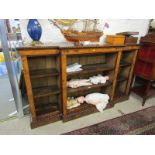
(38, 52)
(91, 51)
(64, 81)
(28, 87)
(131, 72)
(117, 64)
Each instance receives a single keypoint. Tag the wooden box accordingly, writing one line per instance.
(131, 40)
(115, 39)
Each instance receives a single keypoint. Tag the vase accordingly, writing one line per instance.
(34, 29)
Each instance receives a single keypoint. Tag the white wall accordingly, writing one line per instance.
(53, 34)
(50, 32)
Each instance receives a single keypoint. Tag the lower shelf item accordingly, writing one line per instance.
(97, 99)
(83, 110)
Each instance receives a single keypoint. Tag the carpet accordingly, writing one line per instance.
(138, 123)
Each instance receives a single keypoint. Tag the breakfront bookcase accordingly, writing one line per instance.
(45, 75)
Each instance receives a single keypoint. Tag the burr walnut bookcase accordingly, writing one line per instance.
(45, 75)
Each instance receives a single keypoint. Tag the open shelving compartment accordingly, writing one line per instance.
(45, 81)
(92, 65)
(123, 75)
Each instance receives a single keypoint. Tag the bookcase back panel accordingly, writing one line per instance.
(127, 56)
(121, 87)
(43, 62)
(42, 82)
(124, 72)
(42, 100)
(46, 105)
(53, 99)
(86, 59)
(111, 59)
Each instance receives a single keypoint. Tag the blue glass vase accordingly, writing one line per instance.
(34, 29)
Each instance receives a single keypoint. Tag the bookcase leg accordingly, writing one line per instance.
(146, 92)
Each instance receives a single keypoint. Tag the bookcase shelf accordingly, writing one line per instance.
(95, 68)
(85, 88)
(44, 108)
(121, 78)
(125, 64)
(41, 73)
(45, 91)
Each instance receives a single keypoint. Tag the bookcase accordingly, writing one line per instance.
(45, 75)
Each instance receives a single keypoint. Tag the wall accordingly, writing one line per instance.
(50, 32)
(53, 34)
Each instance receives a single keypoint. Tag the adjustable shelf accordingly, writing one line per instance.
(121, 78)
(44, 108)
(40, 73)
(85, 88)
(82, 110)
(84, 106)
(45, 91)
(92, 68)
(124, 64)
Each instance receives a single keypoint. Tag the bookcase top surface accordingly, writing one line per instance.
(67, 45)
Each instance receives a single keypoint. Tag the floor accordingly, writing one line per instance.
(6, 98)
(22, 126)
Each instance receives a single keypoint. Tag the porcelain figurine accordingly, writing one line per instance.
(75, 83)
(98, 99)
(74, 67)
(72, 103)
(99, 79)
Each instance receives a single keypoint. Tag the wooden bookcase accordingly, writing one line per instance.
(46, 78)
